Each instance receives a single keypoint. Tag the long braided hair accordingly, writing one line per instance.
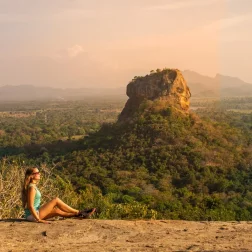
(27, 181)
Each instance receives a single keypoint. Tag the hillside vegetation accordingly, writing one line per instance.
(178, 165)
(162, 163)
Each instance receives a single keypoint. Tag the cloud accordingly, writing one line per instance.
(67, 53)
(75, 14)
(175, 5)
(225, 23)
(233, 21)
(74, 51)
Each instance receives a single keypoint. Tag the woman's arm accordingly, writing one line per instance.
(30, 202)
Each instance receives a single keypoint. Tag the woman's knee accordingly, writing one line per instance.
(56, 200)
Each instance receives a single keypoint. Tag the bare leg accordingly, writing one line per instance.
(58, 212)
(48, 208)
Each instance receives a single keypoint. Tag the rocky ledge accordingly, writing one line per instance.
(120, 236)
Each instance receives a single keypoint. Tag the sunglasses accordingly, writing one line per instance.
(35, 173)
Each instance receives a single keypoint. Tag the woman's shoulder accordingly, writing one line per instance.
(32, 185)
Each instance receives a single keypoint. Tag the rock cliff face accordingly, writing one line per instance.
(167, 87)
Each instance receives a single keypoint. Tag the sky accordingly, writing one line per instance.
(105, 43)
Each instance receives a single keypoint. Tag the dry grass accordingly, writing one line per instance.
(11, 179)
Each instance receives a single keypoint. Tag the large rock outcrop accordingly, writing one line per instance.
(165, 88)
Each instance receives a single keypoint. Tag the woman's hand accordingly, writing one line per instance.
(43, 221)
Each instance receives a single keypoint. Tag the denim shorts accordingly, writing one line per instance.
(31, 217)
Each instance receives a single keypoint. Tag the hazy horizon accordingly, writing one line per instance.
(79, 43)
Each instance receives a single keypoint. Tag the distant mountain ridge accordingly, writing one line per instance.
(220, 85)
(200, 86)
(30, 93)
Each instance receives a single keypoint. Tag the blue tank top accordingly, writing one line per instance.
(36, 201)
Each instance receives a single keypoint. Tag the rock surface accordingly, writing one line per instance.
(168, 87)
(120, 236)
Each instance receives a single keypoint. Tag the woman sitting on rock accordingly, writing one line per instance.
(56, 207)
